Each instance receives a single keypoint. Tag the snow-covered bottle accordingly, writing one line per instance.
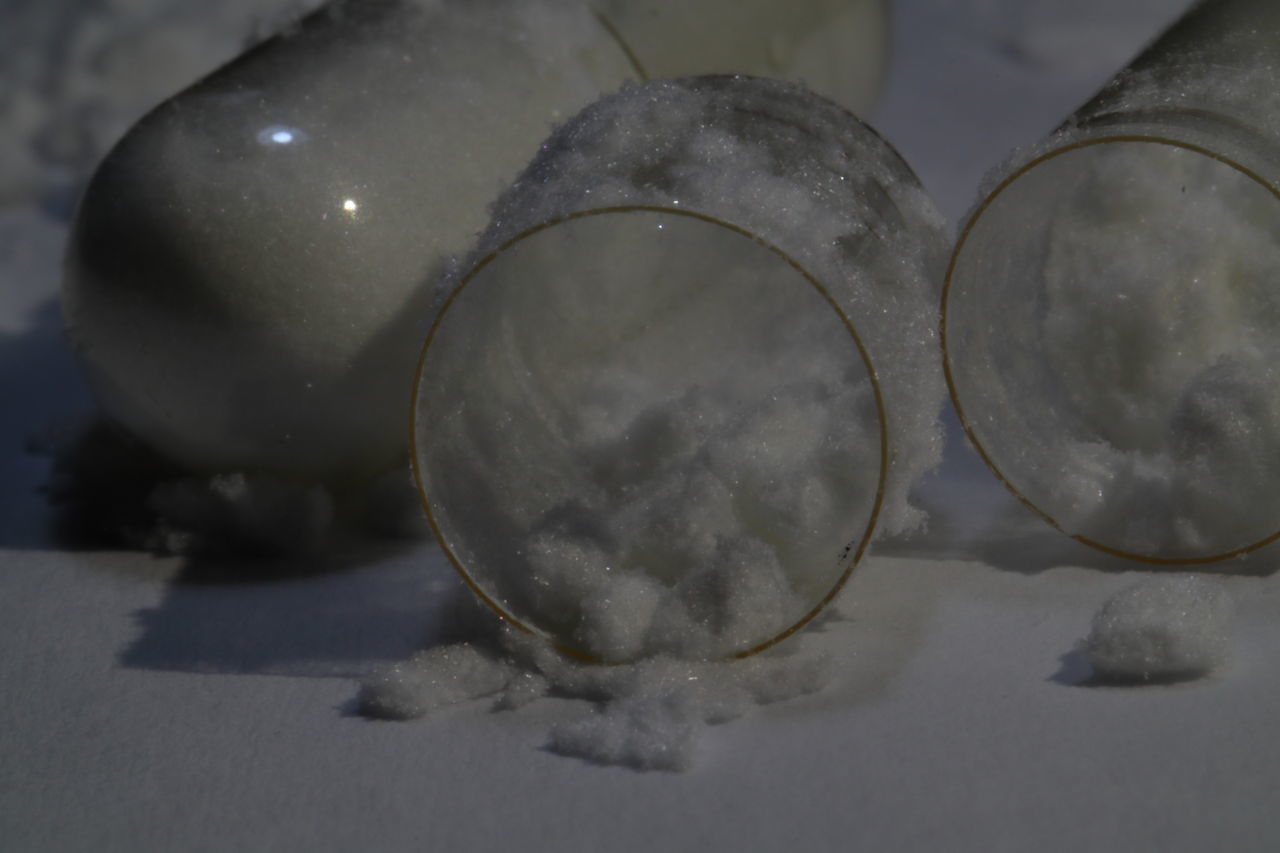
(691, 371)
(1110, 314)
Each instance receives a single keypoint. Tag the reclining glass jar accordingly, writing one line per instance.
(1110, 314)
(690, 372)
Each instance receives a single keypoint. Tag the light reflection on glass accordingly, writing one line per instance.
(278, 134)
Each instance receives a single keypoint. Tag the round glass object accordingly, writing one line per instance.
(1112, 337)
(641, 431)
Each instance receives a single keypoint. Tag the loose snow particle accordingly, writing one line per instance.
(1162, 629)
(431, 679)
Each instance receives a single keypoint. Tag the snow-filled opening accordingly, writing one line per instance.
(645, 432)
(1111, 335)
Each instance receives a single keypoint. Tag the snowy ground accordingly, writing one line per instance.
(153, 703)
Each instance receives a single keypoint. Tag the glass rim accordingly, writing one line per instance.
(965, 423)
(881, 421)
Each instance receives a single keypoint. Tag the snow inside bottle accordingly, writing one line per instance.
(1111, 313)
(689, 375)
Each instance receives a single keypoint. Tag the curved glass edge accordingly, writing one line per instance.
(965, 422)
(882, 422)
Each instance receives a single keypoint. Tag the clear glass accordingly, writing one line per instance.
(653, 396)
(644, 420)
(1110, 312)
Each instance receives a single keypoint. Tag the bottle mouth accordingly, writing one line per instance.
(1108, 332)
(642, 430)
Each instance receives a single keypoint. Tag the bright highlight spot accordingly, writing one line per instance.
(277, 134)
(350, 205)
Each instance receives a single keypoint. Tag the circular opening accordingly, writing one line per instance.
(641, 431)
(1110, 325)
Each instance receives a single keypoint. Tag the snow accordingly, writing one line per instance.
(1164, 628)
(188, 703)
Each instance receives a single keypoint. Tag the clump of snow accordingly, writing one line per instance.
(673, 457)
(648, 715)
(1164, 629)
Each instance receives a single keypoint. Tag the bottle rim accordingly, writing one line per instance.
(853, 556)
(943, 330)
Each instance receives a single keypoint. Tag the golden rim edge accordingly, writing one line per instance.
(616, 35)
(946, 355)
(882, 422)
